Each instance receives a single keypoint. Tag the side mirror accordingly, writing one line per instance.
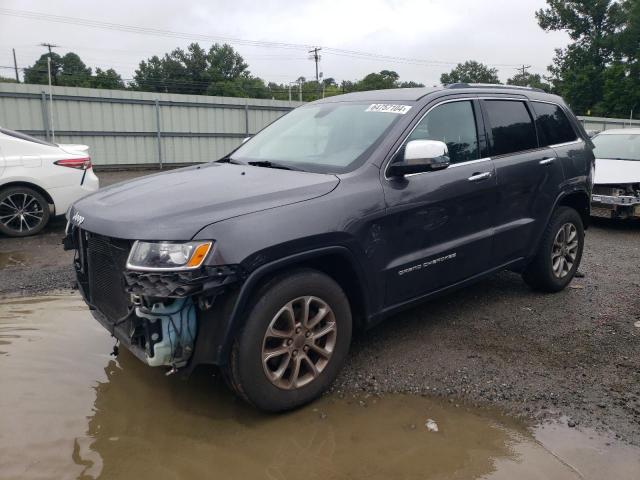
(421, 156)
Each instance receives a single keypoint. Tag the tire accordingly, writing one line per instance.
(540, 274)
(272, 386)
(23, 212)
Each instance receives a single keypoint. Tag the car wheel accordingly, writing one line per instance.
(559, 253)
(295, 340)
(23, 211)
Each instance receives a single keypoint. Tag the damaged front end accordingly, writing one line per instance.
(616, 201)
(156, 312)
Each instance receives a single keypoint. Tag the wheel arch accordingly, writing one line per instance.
(580, 201)
(337, 262)
(33, 186)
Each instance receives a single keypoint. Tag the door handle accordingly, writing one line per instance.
(546, 161)
(476, 177)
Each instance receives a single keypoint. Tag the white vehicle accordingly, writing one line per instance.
(616, 189)
(38, 180)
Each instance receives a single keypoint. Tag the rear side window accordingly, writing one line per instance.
(454, 124)
(553, 125)
(511, 126)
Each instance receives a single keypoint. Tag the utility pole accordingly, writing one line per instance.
(523, 69)
(15, 65)
(314, 56)
(50, 46)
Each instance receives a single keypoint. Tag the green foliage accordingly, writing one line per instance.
(329, 87)
(527, 79)
(70, 71)
(219, 71)
(470, 72)
(7, 80)
(599, 72)
(107, 79)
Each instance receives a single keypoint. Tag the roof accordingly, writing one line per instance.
(621, 131)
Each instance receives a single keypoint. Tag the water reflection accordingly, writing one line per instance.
(69, 410)
(149, 425)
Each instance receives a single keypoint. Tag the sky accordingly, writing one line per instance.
(437, 34)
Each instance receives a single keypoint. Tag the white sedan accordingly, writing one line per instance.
(38, 180)
(616, 189)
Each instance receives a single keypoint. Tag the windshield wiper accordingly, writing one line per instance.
(269, 164)
(230, 160)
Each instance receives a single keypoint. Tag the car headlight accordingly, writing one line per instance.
(167, 256)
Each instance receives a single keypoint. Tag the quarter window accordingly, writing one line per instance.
(454, 124)
(512, 128)
(553, 124)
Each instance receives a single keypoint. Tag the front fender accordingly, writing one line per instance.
(226, 319)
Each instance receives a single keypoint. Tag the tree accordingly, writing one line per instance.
(527, 79)
(68, 70)
(107, 79)
(470, 72)
(7, 80)
(38, 72)
(594, 26)
(219, 71)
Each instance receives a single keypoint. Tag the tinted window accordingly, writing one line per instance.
(553, 124)
(511, 126)
(454, 124)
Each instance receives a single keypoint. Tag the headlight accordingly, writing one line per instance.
(167, 256)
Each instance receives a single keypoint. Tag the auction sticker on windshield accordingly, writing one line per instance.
(388, 108)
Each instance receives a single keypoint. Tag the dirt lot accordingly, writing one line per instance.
(574, 355)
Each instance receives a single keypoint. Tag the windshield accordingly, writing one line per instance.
(617, 146)
(324, 138)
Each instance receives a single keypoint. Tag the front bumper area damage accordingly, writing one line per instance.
(161, 317)
(616, 201)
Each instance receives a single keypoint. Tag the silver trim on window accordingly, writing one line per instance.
(386, 167)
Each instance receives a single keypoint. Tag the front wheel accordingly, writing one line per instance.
(294, 343)
(559, 253)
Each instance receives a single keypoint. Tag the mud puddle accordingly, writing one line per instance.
(70, 410)
(12, 259)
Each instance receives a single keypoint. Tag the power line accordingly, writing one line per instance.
(215, 38)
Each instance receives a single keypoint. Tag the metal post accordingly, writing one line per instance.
(158, 134)
(15, 65)
(45, 116)
(246, 118)
(289, 91)
(53, 132)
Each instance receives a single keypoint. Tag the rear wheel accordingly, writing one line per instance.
(559, 254)
(23, 211)
(294, 342)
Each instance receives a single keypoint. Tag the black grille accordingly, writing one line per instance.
(106, 262)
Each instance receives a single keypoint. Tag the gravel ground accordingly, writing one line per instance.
(573, 355)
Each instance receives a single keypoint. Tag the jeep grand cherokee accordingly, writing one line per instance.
(338, 215)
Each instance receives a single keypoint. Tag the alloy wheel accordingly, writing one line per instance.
(299, 342)
(21, 212)
(564, 250)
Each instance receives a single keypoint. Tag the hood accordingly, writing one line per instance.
(175, 205)
(617, 171)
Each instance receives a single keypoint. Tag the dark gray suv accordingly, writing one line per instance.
(336, 216)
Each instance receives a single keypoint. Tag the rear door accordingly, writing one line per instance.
(528, 177)
(440, 223)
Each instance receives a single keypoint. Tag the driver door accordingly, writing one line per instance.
(441, 222)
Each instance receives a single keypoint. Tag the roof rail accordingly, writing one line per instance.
(492, 85)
